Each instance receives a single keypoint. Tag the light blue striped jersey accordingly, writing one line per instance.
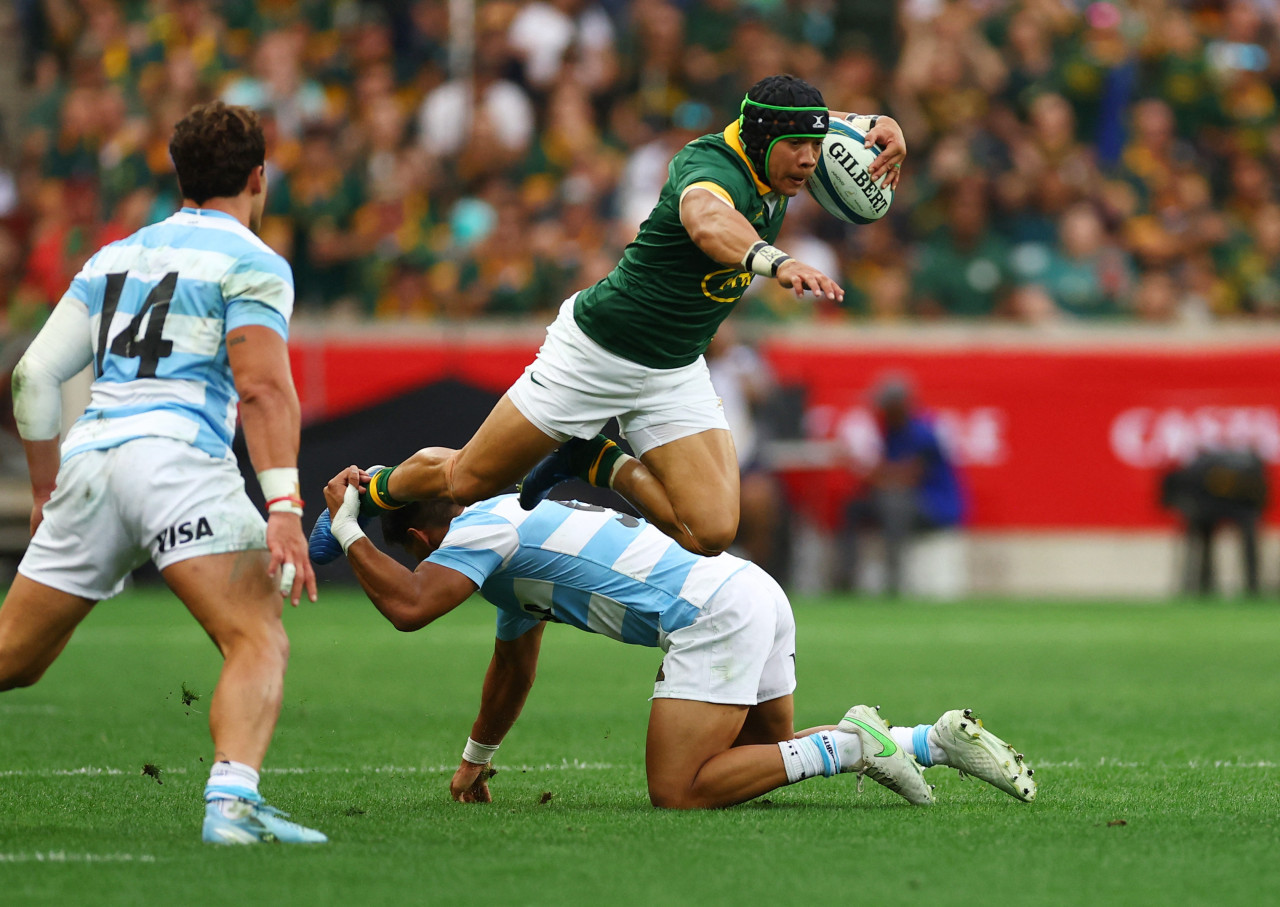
(161, 303)
(583, 565)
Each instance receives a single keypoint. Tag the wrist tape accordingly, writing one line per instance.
(764, 259)
(345, 523)
(280, 487)
(479, 753)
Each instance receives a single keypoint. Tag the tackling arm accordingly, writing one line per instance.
(408, 599)
(506, 688)
(60, 351)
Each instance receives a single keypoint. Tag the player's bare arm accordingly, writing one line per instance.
(271, 416)
(59, 352)
(409, 599)
(720, 230)
(506, 688)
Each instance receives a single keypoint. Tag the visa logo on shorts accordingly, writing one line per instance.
(183, 533)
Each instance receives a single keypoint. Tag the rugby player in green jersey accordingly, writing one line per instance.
(631, 346)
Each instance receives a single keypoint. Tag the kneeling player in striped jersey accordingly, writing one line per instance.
(721, 727)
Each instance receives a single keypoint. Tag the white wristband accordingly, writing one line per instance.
(764, 259)
(479, 753)
(345, 524)
(280, 487)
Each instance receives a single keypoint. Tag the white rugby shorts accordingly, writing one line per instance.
(740, 651)
(151, 497)
(575, 386)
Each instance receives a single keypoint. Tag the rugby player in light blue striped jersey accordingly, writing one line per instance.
(721, 725)
(182, 322)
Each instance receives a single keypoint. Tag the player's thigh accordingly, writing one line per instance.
(36, 621)
(505, 447)
(231, 596)
(685, 734)
(699, 473)
(769, 722)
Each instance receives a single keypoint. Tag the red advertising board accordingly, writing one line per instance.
(1047, 437)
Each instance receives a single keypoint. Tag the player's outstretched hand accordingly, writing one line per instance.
(798, 276)
(886, 169)
(470, 783)
(290, 564)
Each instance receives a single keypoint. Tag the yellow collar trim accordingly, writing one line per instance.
(735, 142)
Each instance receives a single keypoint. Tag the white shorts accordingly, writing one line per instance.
(740, 651)
(575, 386)
(152, 497)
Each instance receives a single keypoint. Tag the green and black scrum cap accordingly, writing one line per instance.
(779, 107)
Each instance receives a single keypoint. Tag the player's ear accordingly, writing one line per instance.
(419, 539)
(258, 180)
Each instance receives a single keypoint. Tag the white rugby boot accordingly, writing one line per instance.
(883, 760)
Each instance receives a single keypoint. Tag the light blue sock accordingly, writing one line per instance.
(920, 744)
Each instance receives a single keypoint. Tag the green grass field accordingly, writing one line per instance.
(1153, 730)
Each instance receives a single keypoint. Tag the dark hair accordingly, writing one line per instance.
(214, 149)
(423, 515)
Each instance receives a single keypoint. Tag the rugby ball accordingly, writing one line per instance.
(841, 183)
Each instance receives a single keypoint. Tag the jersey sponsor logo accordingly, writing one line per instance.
(181, 533)
(726, 285)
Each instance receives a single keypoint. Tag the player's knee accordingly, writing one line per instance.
(14, 674)
(673, 798)
(712, 537)
(265, 643)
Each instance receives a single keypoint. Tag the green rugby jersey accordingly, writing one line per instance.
(664, 301)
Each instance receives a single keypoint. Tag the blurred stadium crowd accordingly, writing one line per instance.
(1068, 159)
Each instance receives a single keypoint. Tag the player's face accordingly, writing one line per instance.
(791, 163)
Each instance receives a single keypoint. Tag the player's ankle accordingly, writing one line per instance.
(607, 463)
(379, 493)
(823, 753)
(922, 742)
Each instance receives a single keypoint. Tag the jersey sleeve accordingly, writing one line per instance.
(707, 165)
(258, 289)
(476, 545)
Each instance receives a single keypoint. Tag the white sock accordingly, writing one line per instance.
(822, 753)
(229, 780)
(907, 737)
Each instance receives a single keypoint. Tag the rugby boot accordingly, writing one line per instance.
(576, 458)
(883, 760)
(251, 821)
(974, 750)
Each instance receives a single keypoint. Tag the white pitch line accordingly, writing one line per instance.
(62, 856)
(579, 766)
(93, 771)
